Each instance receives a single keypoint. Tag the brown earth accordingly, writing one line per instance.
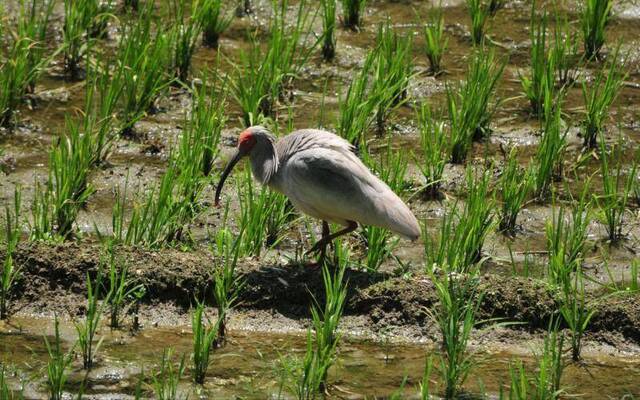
(54, 276)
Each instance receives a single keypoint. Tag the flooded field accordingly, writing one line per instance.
(518, 155)
(248, 366)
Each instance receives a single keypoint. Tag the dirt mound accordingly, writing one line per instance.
(54, 277)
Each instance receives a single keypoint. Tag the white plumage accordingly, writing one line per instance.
(323, 178)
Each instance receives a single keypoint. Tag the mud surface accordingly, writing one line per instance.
(54, 281)
(386, 326)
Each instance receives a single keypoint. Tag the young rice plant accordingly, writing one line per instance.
(10, 272)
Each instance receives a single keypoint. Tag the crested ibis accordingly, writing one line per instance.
(323, 178)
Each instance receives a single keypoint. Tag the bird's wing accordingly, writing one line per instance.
(335, 185)
(306, 139)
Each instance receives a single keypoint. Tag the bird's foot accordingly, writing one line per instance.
(320, 249)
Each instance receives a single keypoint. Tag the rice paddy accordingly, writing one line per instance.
(509, 128)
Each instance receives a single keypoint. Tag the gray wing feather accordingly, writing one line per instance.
(333, 184)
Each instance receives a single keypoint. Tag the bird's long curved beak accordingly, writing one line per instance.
(236, 157)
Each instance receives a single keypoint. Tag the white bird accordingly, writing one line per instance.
(323, 178)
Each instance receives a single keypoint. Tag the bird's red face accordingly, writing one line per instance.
(246, 141)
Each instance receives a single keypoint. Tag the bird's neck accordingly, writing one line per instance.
(264, 161)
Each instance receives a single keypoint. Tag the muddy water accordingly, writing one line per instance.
(249, 366)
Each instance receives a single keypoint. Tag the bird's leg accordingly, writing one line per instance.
(326, 232)
(322, 243)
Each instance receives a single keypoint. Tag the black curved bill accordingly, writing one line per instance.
(236, 157)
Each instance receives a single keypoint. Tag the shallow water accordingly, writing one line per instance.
(248, 366)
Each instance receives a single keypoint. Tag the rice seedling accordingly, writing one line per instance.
(204, 339)
(32, 26)
(551, 365)
(166, 210)
(10, 272)
(392, 70)
(98, 119)
(24, 60)
(56, 206)
(479, 13)
(291, 45)
(594, 18)
(205, 128)
(4, 386)
(623, 285)
(79, 19)
(41, 226)
(356, 107)
(434, 145)
(515, 186)
(141, 71)
(306, 378)
(616, 190)
(88, 329)
(301, 376)
(6, 392)
(519, 383)
(545, 384)
(263, 216)
(194, 161)
(352, 13)
(455, 315)
(560, 264)
(281, 213)
(462, 233)
(469, 106)
(214, 20)
(477, 217)
(565, 51)
(599, 95)
(259, 85)
(183, 33)
(70, 162)
(58, 364)
(636, 190)
(549, 156)
(326, 321)
(328, 29)
(255, 86)
(14, 79)
(566, 240)
(425, 383)
(442, 250)
(118, 212)
(576, 312)
(154, 221)
(227, 283)
(634, 281)
(541, 80)
(121, 287)
(379, 247)
(435, 42)
(165, 381)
